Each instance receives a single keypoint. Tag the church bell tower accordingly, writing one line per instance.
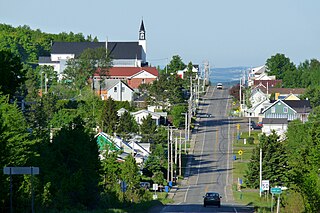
(143, 41)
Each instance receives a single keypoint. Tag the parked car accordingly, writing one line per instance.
(212, 198)
(219, 85)
(255, 125)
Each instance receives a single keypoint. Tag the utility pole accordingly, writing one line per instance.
(168, 144)
(171, 154)
(185, 132)
(240, 97)
(180, 173)
(249, 126)
(260, 172)
(175, 158)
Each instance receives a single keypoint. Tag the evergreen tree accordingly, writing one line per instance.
(73, 168)
(109, 116)
(127, 125)
(148, 128)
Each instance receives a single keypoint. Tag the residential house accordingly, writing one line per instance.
(257, 109)
(159, 117)
(114, 88)
(279, 125)
(133, 76)
(254, 73)
(289, 109)
(267, 83)
(195, 70)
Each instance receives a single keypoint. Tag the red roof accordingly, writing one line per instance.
(129, 71)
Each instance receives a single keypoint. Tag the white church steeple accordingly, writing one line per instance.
(143, 41)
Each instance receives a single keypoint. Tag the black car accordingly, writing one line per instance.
(212, 198)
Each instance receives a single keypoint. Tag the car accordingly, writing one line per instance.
(253, 125)
(212, 198)
(219, 85)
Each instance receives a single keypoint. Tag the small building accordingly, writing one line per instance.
(159, 117)
(279, 125)
(114, 88)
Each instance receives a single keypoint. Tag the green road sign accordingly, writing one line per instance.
(276, 190)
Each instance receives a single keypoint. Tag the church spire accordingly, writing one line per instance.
(142, 32)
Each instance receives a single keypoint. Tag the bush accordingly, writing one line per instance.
(250, 140)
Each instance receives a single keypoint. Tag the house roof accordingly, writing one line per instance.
(274, 121)
(118, 50)
(74, 47)
(142, 26)
(301, 106)
(125, 50)
(129, 71)
(108, 84)
(46, 60)
(284, 90)
(269, 83)
(258, 70)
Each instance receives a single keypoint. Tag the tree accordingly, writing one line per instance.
(274, 163)
(280, 66)
(80, 70)
(178, 116)
(17, 148)
(72, 168)
(176, 64)
(127, 125)
(130, 174)
(109, 116)
(148, 128)
(12, 74)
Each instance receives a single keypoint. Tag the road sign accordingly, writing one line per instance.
(265, 185)
(276, 190)
(238, 126)
(21, 170)
(155, 187)
(240, 152)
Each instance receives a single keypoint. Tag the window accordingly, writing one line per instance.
(115, 89)
(143, 81)
(273, 110)
(285, 109)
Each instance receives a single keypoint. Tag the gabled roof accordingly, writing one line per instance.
(301, 106)
(128, 71)
(269, 83)
(125, 50)
(274, 121)
(258, 70)
(74, 47)
(285, 90)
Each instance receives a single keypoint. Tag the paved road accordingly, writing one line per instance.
(210, 162)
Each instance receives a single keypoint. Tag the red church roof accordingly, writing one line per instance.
(129, 71)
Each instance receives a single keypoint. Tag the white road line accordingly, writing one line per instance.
(235, 210)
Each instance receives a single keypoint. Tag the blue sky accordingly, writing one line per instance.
(224, 32)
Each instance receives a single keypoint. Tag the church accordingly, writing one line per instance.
(123, 54)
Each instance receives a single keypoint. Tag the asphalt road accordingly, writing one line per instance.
(210, 163)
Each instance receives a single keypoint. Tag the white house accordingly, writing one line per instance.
(257, 109)
(279, 125)
(114, 88)
(257, 96)
(195, 69)
(142, 114)
(254, 73)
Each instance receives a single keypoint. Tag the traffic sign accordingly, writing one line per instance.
(265, 185)
(276, 190)
(238, 126)
(240, 152)
(155, 187)
(21, 170)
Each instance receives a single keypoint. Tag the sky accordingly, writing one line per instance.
(226, 33)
